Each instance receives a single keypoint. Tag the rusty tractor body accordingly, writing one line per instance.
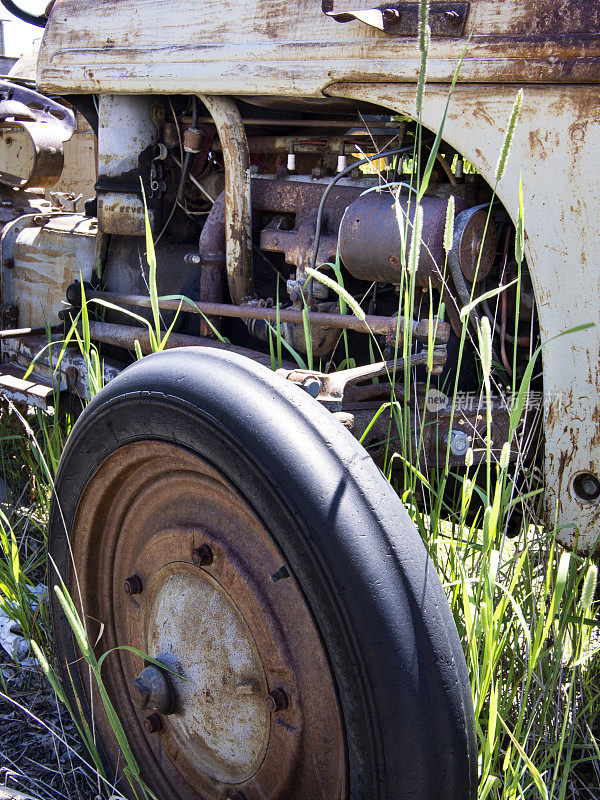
(270, 139)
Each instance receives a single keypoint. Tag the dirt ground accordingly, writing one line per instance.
(39, 749)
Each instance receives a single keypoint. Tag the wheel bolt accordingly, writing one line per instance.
(153, 723)
(277, 700)
(133, 585)
(202, 556)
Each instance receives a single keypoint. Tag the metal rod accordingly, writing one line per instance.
(371, 323)
(307, 123)
(125, 336)
(19, 333)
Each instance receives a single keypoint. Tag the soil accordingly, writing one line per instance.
(40, 753)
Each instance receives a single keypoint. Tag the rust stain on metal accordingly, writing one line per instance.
(275, 48)
(46, 258)
(236, 157)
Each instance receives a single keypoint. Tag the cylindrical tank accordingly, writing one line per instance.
(371, 243)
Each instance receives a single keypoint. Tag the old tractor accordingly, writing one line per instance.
(223, 518)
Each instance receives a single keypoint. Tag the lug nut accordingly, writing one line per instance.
(153, 723)
(133, 585)
(202, 556)
(277, 700)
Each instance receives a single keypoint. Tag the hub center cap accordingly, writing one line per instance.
(193, 627)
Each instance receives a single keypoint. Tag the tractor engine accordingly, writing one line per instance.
(244, 202)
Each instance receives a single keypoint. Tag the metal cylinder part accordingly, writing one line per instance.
(371, 244)
(213, 260)
(192, 140)
(475, 256)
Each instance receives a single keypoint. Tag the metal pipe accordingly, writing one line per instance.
(236, 158)
(298, 142)
(310, 123)
(187, 159)
(212, 260)
(370, 324)
(125, 336)
(19, 333)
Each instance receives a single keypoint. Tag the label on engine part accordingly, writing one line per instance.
(122, 214)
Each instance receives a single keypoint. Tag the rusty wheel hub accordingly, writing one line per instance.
(222, 722)
(173, 561)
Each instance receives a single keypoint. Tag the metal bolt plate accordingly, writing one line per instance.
(402, 18)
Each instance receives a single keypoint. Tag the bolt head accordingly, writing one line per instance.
(193, 258)
(202, 556)
(133, 585)
(277, 700)
(153, 723)
(312, 386)
(390, 14)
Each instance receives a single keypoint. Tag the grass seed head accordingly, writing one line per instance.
(508, 136)
(589, 587)
(449, 226)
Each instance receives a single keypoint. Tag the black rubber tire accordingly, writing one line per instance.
(389, 632)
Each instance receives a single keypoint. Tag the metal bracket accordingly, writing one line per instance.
(329, 388)
(402, 18)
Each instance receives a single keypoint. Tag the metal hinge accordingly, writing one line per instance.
(402, 18)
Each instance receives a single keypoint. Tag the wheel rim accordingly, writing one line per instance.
(171, 559)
